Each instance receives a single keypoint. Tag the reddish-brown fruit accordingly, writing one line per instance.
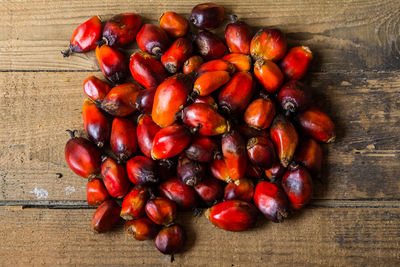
(209, 46)
(271, 201)
(123, 139)
(268, 44)
(121, 29)
(170, 141)
(146, 70)
(233, 215)
(208, 99)
(219, 170)
(275, 172)
(145, 100)
(236, 94)
(216, 65)
(166, 168)
(96, 125)
(184, 196)
(174, 24)
(96, 192)
(297, 184)
(206, 119)
(309, 155)
(82, 156)
(207, 16)
(242, 189)
(192, 64)
(177, 54)
(170, 240)
(261, 152)
(161, 210)
(203, 149)
(268, 74)
(210, 81)
(141, 170)
(249, 132)
(284, 136)
(293, 97)
(120, 101)
(106, 216)
(114, 178)
(210, 190)
(152, 39)
(190, 172)
(112, 63)
(260, 113)
(171, 96)
(317, 124)
(141, 229)
(238, 36)
(254, 171)
(96, 89)
(296, 62)
(146, 130)
(134, 203)
(241, 62)
(84, 37)
(235, 156)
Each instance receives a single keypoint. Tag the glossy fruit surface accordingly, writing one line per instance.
(123, 139)
(203, 149)
(82, 156)
(208, 99)
(242, 189)
(170, 240)
(210, 81)
(309, 154)
(145, 100)
(146, 130)
(284, 136)
(141, 229)
(184, 196)
(146, 70)
(241, 62)
(219, 170)
(190, 172)
(161, 210)
(261, 152)
(96, 125)
(209, 46)
(142, 170)
(216, 65)
(114, 178)
(121, 29)
(174, 24)
(112, 63)
(317, 124)
(95, 88)
(268, 44)
(192, 64)
(271, 201)
(207, 16)
(96, 192)
(260, 113)
(293, 97)
(238, 36)
(275, 172)
(106, 216)
(210, 190)
(296, 62)
(134, 203)
(152, 39)
(249, 132)
(177, 54)
(268, 74)
(233, 215)
(297, 184)
(235, 156)
(120, 101)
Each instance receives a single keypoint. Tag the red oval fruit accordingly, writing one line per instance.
(184, 196)
(152, 39)
(309, 155)
(177, 54)
(210, 190)
(207, 16)
(271, 201)
(146, 130)
(146, 70)
(242, 189)
(209, 46)
(275, 172)
(82, 156)
(112, 63)
(134, 203)
(241, 62)
(174, 24)
(123, 139)
(161, 210)
(85, 36)
(190, 172)
(297, 184)
(238, 36)
(216, 65)
(219, 170)
(141, 170)
(120, 101)
(234, 152)
(268, 44)
(260, 113)
(106, 216)
(268, 74)
(145, 100)
(209, 100)
(96, 89)
(296, 62)
(293, 97)
(203, 149)
(209, 82)
(192, 64)
(261, 152)
(114, 178)
(233, 215)
(96, 125)
(141, 229)
(170, 240)
(121, 29)
(96, 192)
(170, 141)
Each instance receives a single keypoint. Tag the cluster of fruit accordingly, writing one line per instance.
(226, 133)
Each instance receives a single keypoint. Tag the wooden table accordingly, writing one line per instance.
(353, 219)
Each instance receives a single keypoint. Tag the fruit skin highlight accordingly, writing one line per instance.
(271, 201)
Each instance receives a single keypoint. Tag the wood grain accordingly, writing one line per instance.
(319, 236)
(38, 107)
(344, 35)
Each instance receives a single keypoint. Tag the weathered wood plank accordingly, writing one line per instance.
(324, 237)
(36, 109)
(345, 35)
